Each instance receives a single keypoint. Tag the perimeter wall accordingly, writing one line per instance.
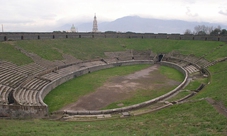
(7, 36)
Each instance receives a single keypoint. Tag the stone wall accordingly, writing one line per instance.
(35, 36)
(16, 111)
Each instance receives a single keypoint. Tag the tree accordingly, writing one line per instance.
(223, 32)
(188, 31)
(203, 30)
(216, 31)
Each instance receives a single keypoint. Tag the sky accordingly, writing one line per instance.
(48, 15)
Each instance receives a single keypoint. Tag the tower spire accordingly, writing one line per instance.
(95, 25)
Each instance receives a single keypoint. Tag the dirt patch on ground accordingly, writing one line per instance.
(122, 87)
(219, 106)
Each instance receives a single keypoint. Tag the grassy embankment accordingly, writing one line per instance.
(196, 118)
(86, 49)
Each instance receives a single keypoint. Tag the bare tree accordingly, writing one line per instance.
(203, 30)
(188, 31)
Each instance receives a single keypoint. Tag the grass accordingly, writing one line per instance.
(89, 48)
(180, 95)
(171, 73)
(145, 95)
(9, 53)
(217, 88)
(72, 90)
(178, 120)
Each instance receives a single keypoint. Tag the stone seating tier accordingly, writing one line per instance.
(4, 94)
(203, 62)
(191, 69)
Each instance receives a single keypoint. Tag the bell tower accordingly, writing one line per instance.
(95, 25)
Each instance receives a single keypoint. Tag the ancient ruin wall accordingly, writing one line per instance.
(5, 36)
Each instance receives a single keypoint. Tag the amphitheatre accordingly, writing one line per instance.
(35, 66)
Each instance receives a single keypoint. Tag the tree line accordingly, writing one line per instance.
(206, 30)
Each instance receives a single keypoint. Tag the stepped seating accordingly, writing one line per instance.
(60, 73)
(111, 60)
(124, 55)
(191, 58)
(202, 62)
(28, 93)
(142, 55)
(10, 77)
(179, 56)
(4, 94)
(191, 69)
(179, 62)
(29, 69)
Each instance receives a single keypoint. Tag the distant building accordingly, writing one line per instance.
(95, 25)
(73, 29)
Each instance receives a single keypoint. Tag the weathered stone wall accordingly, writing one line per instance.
(187, 37)
(173, 36)
(16, 111)
(35, 36)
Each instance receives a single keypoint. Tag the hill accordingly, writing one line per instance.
(142, 25)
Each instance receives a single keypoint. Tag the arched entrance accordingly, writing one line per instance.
(160, 57)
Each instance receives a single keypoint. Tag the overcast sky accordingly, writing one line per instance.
(47, 15)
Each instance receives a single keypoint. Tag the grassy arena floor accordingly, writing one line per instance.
(72, 90)
(195, 118)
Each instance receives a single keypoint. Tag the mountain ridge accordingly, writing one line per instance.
(143, 25)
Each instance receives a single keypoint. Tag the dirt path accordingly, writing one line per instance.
(219, 106)
(122, 87)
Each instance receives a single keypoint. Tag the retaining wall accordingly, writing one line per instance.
(16, 111)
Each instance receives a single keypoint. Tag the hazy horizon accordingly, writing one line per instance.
(41, 15)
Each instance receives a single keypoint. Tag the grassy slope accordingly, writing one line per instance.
(197, 118)
(91, 48)
(9, 53)
(185, 119)
(217, 88)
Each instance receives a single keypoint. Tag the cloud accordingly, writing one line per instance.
(16, 21)
(223, 12)
(190, 14)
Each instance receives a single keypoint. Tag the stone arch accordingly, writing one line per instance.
(22, 37)
(5, 38)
